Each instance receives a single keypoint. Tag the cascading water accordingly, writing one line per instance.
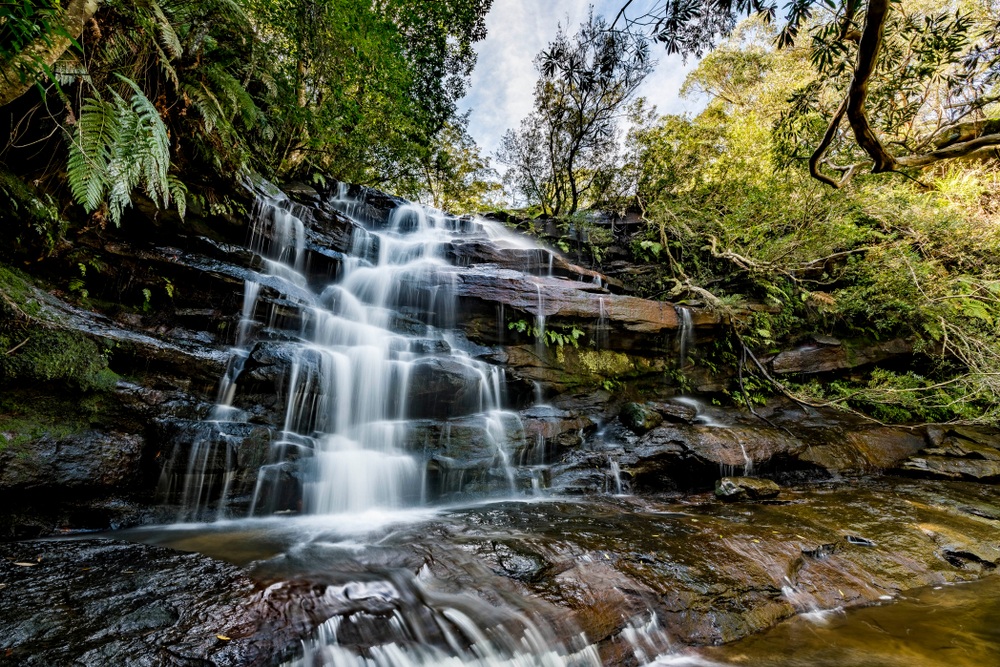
(685, 334)
(374, 375)
(359, 354)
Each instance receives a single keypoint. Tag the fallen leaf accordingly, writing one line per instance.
(26, 564)
(222, 638)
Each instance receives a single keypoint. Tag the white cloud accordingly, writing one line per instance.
(504, 79)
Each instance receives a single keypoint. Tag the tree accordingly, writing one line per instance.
(145, 90)
(563, 152)
(453, 175)
(861, 45)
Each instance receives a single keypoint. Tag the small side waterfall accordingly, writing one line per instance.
(685, 335)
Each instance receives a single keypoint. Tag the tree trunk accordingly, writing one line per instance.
(43, 52)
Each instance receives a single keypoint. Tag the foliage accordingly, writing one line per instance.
(453, 175)
(118, 145)
(559, 335)
(736, 227)
(154, 89)
(31, 219)
(563, 155)
(916, 85)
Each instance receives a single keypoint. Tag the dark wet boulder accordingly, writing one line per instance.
(732, 489)
(443, 387)
(639, 418)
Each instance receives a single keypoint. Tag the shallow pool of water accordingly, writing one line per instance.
(939, 626)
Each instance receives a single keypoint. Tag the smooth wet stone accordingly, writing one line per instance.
(733, 489)
(639, 418)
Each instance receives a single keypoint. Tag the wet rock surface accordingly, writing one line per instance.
(958, 453)
(98, 602)
(714, 571)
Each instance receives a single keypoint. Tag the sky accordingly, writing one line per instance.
(504, 78)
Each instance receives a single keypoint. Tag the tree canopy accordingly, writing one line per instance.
(916, 84)
(142, 91)
(563, 155)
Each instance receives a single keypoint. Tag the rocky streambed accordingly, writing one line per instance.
(579, 482)
(707, 570)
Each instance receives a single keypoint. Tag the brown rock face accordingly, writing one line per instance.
(958, 453)
(556, 297)
(832, 355)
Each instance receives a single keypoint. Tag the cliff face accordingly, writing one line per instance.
(105, 404)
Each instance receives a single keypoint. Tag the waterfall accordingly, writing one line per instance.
(363, 356)
(685, 335)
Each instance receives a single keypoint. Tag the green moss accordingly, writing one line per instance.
(58, 357)
(18, 293)
(26, 416)
(17, 431)
(29, 219)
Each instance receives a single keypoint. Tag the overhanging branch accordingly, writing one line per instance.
(45, 51)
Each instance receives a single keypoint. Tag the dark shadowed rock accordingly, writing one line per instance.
(111, 603)
(90, 462)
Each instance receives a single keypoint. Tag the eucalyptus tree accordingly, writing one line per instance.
(563, 152)
(916, 85)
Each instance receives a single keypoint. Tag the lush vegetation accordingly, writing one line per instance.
(893, 104)
(737, 222)
(150, 96)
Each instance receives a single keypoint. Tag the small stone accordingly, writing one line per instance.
(746, 488)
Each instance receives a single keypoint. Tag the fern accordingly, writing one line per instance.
(118, 146)
(96, 131)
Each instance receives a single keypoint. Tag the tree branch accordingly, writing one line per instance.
(45, 50)
(868, 52)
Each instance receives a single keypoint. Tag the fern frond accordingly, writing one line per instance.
(167, 68)
(97, 131)
(241, 104)
(207, 104)
(168, 36)
(179, 193)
